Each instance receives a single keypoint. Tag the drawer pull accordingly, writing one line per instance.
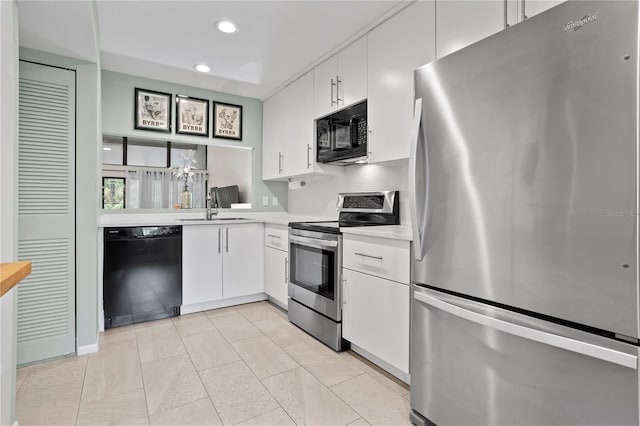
(368, 255)
(273, 236)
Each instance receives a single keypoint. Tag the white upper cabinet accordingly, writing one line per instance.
(533, 7)
(325, 87)
(288, 130)
(298, 130)
(352, 73)
(395, 49)
(341, 80)
(288, 140)
(272, 113)
(461, 23)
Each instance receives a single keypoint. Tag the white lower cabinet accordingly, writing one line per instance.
(240, 260)
(201, 263)
(276, 265)
(376, 317)
(220, 262)
(375, 309)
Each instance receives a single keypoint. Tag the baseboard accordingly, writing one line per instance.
(278, 303)
(382, 364)
(199, 307)
(88, 349)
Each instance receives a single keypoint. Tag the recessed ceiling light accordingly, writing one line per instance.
(202, 68)
(106, 148)
(227, 26)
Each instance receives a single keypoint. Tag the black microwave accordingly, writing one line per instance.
(342, 136)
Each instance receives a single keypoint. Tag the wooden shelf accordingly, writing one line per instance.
(12, 273)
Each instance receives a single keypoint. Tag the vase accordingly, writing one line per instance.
(186, 198)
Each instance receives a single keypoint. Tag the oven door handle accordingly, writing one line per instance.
(313, 242)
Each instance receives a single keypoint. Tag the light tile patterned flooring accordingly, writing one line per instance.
(240, 365)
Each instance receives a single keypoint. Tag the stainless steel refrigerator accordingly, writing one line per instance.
(524, 180)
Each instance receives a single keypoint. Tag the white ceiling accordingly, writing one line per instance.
(163, 40)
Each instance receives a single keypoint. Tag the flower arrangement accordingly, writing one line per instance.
(183, 172)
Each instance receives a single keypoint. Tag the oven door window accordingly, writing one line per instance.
(313, 269)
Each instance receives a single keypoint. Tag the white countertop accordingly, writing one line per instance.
(396, 232)
(165, 219)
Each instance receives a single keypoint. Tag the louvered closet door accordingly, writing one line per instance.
(46, 212)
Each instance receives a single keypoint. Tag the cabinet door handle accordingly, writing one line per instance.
(344, 291)
(286, 270)
(506, 15)
(273, 236)
(227, 242)
(219, 238)
(331, 87)
(370, 144)
(308, 156)
(280, 162)
(368, 255)
(338, 81)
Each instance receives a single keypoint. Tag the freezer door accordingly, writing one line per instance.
(524, 167)
(476, 365)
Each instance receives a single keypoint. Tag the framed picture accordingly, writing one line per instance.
(227, 121)
(192, 116)
(152, 111)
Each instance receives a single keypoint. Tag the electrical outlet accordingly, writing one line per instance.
(265, 201)
(274, 201)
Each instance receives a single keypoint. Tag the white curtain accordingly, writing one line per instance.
(157, 189)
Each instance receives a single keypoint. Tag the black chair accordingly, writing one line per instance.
(225, 196)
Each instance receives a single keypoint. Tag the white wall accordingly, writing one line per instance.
(231, 166)
(8, 217)
(117, 120)
(318, 196)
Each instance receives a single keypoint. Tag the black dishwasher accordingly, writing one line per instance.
(142, 274)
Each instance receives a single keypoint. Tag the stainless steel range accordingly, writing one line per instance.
(315, 267)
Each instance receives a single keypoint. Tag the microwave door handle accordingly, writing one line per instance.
(418, 190)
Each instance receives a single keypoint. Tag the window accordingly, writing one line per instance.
(113, 192)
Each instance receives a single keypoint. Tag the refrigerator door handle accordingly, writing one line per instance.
(418, 187)
(573, 345)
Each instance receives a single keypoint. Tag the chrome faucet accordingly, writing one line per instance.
(211, 210)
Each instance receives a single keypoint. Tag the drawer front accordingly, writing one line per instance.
(276, 236)
(383, 257)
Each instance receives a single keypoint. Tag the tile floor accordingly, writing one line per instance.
(241, 365)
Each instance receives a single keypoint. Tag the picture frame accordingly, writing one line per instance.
(192, 116)
(227, 121)
(152, 111)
